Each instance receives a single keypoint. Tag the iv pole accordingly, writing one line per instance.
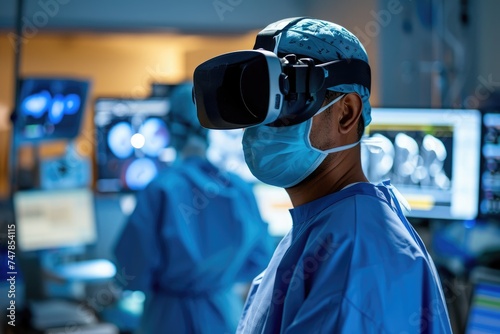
(30, 265)
(17, 86)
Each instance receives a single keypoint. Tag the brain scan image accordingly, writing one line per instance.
(133, 142)
(139, 173)
(414, 159)
(156, 135)
(381, 159)
(57, 106)
(119, 140)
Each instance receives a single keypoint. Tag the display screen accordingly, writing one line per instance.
(484, 313)
(133, 142)
(50, 108)
(490, 172)
(430, 155)
(49, 219)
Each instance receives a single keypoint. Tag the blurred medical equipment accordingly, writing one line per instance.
(50, 108)
(133, 142)
(53, 229)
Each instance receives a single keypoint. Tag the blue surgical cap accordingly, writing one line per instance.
(183, 120)
(326, 41)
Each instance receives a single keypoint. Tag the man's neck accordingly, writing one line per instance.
(327, 179)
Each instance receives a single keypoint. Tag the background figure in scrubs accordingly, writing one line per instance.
(352, 263)
(195, 232)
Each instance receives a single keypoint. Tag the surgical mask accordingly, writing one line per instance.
(284, 156)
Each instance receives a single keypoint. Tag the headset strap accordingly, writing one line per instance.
(344, 71)
(310, 78)
(266, 38)
(347, 71)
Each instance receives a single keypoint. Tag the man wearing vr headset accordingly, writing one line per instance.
(352, 263)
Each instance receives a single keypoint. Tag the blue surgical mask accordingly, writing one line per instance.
(284, 156)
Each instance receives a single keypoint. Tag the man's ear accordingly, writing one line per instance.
(351, 107)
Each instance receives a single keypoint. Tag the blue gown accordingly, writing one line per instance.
(194, 233)
(352, 263)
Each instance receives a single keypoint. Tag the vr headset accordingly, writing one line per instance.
(252, 87)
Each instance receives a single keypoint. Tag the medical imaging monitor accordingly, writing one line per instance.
(50, 108)
(432, 156)
(53, 219)
(132, 142)
(489, 197)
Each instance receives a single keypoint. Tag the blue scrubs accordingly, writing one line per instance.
(351, 264)
(194, 233)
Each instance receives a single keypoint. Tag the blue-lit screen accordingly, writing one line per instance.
(133, 142)
(431, 156)
(484, 314)
(50, 108)
(490, 176)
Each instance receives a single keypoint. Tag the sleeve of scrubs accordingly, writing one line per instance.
(138, 249)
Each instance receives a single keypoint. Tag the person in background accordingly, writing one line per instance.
(352, 263)
(195, 232)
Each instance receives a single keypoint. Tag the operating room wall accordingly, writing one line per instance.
(226, 16)
(487, 79)
(437, 53)
(429, 53)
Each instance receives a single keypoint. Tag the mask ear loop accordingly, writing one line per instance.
(328, 105)
(334, 149)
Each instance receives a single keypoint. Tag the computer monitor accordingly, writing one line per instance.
(50, 109)
(489, 196)
(52, 219)
(484, 309)
(431, 156)
(133, 142)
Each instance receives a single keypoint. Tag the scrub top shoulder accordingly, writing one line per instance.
(351, 264)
